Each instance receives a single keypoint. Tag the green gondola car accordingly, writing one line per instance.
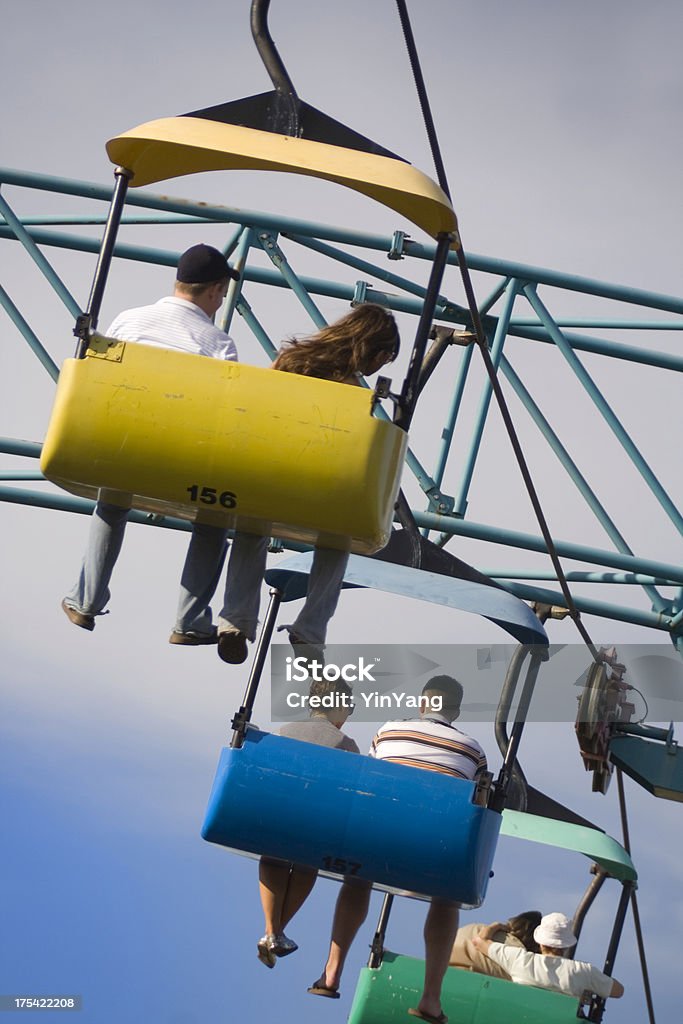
(385, 993)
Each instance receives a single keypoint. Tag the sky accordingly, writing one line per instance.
(560, 131)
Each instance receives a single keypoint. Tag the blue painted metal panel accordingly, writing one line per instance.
(496, 604)
(407, 829)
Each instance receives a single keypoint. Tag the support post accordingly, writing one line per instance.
(87, 322)
(268, 243)
(597, 1007)
(485, 400)
(592, 889)
(377, 947)
(243, 716)
(235, 287)
(409, 393)
(510, 765)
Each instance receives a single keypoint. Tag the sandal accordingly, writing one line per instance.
(319, 988)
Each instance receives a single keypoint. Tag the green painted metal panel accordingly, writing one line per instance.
(383, 996)
(601, 848)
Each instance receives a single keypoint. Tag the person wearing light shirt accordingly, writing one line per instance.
(182, 321)
(550, 969)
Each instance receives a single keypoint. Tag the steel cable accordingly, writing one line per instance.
(481, 336)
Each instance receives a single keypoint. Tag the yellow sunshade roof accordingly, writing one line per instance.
(173, 146)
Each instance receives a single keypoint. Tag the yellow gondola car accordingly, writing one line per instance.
(239, 445)
(179, 434)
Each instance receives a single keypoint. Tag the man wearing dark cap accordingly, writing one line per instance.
(182, 321)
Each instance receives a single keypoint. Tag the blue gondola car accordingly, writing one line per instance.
(403, 828)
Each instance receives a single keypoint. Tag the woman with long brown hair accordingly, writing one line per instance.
(357, 345)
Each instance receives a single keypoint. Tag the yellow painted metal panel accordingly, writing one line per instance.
(173, 146)
(223, 442)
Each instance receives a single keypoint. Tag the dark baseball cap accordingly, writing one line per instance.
(202, 264)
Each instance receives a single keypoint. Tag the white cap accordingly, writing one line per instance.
(555, 930)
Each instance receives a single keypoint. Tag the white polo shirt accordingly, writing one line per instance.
(573, 977)
(430, 742)
(174, 323)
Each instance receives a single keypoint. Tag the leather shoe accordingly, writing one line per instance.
(78, 618)
(193, 639)
(232, 647)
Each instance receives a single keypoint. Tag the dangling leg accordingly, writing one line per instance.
(324, 586)
(283, 888)
(300, 886)
(349, 914)
(273, 878)
(90, 594)
(239, 616)
(441, 924)
(201, 573)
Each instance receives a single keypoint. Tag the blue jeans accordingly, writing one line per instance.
(201, 572)
(246, 567)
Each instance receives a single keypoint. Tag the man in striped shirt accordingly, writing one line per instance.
(433, 743)
(182, 321)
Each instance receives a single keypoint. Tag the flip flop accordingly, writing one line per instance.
(429, 1017)
(319, 988)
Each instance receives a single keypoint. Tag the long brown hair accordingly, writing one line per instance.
(350, 346)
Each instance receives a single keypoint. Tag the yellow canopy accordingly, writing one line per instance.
(173, 146)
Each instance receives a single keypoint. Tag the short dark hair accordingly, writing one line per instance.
(451, 689)
(321, 687)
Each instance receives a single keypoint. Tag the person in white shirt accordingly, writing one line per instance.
(433, 743)
(550, 969)
(183, 321)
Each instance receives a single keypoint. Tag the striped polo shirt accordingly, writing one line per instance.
(430, 742)
(174, 323)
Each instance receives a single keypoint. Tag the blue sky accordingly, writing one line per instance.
(560, 127)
